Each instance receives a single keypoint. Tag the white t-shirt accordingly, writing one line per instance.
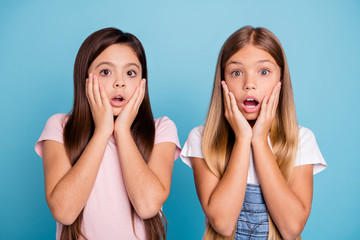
(308, 152)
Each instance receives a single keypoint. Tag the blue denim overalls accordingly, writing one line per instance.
(253, 220)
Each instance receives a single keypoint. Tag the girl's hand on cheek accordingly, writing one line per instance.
(267, 114)
(237, 121)
(128, 113)
(101, 109)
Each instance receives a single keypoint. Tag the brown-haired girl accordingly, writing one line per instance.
(253, 165)
(108, 164)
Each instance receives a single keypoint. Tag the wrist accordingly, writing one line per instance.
(102, 134)
(259, 140)
(242, 140)
(122, 132)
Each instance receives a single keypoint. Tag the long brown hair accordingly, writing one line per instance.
(80, 125)
(218, 138)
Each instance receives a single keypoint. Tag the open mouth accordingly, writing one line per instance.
(250, 103)
(118, 99)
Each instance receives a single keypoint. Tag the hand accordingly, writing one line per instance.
(101, 109)
(127, 115)
(237, 121)
(267, 114)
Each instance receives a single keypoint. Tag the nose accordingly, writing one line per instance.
(250, 83)
(119, 83)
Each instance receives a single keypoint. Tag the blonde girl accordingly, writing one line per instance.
(108, 164)
(253, 164)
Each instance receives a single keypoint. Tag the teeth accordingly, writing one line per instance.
(250, 106)
(250, 99)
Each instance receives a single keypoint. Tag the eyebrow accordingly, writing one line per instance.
(261, 61)
(113, 65)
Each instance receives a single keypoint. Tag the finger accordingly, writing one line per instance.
(86, 88)
(103, 95)
(140, 98)
(96, 91)
(226, 97)
(272, 101)
(276, 102)
(233, 105)
(272, 96)
(133, 98)
(89, 89)
(264, 106)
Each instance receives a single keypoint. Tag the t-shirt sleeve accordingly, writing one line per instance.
(165, 131)
(53, 130)
(309, 152)
(193, 146)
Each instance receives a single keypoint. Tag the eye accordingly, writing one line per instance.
(105, 72)
(236, 73)
(264, 72)
(131, 73)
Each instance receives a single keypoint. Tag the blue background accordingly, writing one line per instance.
(40, 39)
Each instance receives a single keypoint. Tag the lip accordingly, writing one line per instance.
(116, 103)
(247, 109)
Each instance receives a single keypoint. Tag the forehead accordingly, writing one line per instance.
(119, 54)
(251, 55)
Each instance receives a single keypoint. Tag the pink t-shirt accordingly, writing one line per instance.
(107, 213)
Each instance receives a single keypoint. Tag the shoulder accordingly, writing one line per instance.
(164, 125)
(196, 132)
(192, 147)
(163, 121)
(58, 119)
(308, 151)
(165, 131)
(53, 130)
(306, 135)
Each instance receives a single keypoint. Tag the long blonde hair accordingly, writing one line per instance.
(218, 138)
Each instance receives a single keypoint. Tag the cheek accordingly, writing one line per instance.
(132, 85)
(269, 88)
(236, 88)
(107, 86)
(233, 86)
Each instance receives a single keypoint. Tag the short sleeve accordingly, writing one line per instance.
(309, 152)
(53, 130)
(165, 131)
(193, 146)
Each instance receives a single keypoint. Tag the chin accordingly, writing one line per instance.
(251, 116)
(116, 111)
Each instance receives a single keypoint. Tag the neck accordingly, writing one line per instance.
(252, 122)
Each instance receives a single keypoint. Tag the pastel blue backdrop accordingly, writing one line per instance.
(40, 39)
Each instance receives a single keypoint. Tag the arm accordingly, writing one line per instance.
(222, 199)
(288, 204)
(67, 187)
(147, 185)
